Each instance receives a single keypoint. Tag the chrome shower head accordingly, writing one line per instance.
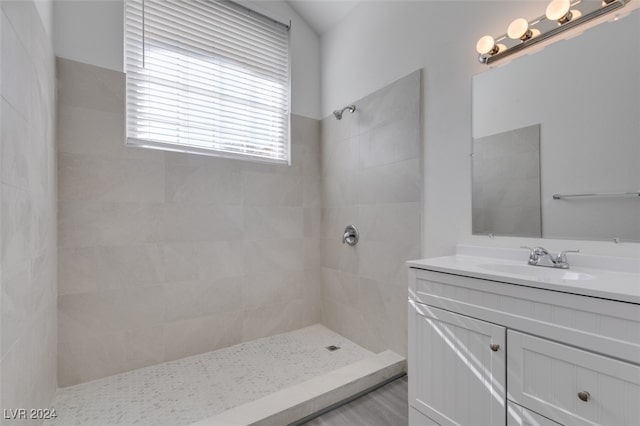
(338, 113)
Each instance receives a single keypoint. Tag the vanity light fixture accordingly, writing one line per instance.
(559, 10)
(519, 30)
(487, 46)
(560, 16)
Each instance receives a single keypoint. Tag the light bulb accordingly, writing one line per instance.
(519, 30)
(558, 10)
(486, 45)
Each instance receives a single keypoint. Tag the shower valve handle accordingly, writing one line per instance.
(350, 235)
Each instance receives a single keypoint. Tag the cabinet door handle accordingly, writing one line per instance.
(584, 396)
(494, 347)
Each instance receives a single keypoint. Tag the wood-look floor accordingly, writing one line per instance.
(386, 406)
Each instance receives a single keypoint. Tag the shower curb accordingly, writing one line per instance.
(305, 399)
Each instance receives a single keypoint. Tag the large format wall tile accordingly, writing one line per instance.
(28, 252)
(16, 225)
(114, 310)
(15, 301)
(16, 147)
(89, 269)
(193, 299)
(202, 334)
(390, 143)
(201, 222)
(108, 224)
(265, 256)
(203, 183)
(89, 179)
(87, 86)
(372, 178)
(271, 189)
(271, 288)
(166, 255)
(16, 66)
(390, 183)
(92, 132)
(275, 318)
(267, 222)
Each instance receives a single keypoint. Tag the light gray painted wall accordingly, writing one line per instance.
(165, 255)
(27, 210)
(372, 178)
(91, 31)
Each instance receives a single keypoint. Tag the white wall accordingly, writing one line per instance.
(45, 11)
(379, 42)
(91, 31)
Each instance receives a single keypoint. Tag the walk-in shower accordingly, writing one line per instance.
(338, 112)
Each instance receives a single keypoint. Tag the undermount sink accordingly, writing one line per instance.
(537, 272)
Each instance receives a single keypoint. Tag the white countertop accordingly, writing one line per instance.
(619, 281)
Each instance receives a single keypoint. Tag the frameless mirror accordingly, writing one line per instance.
(584, 93)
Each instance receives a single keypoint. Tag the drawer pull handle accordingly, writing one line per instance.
(584, 396)
(494, 347)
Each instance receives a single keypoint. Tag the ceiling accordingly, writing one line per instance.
(322, 15)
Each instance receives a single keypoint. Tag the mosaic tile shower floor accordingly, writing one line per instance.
(191, 389)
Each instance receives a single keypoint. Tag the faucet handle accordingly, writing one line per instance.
(533, 255)
(531, 250)
(562, 256)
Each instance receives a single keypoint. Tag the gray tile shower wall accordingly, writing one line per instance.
(165, 255)
(27, 212)
(372, 178)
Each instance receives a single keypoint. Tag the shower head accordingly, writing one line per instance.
(338, 113)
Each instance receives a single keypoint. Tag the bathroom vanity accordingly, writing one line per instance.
(494, 341)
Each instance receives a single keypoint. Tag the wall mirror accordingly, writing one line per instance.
(583, 96)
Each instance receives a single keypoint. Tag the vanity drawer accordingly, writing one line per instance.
(569, 385)
(604, 326)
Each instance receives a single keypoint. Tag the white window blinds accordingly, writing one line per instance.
(209, 77)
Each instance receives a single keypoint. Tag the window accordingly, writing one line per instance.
(208, 77)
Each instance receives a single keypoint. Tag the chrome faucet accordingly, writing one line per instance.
(539, 256)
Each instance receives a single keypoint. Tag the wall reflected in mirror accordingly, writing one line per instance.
(585, 94)
(506, 183)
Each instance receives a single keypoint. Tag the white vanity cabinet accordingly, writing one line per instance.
(484, 352)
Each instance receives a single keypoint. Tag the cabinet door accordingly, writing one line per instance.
(456, 368)
(570, 385)
(416, 418)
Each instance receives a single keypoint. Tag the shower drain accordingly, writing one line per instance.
(332, 348)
